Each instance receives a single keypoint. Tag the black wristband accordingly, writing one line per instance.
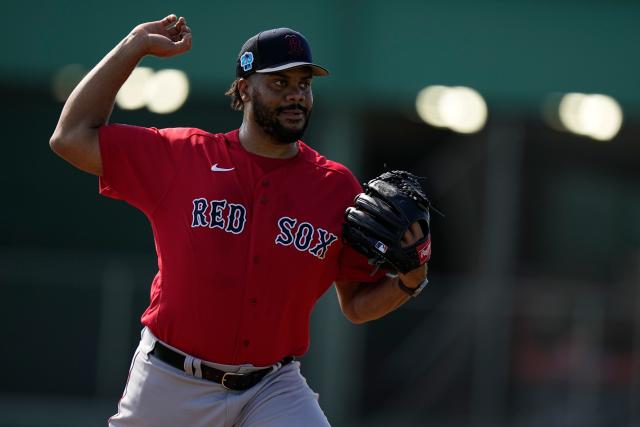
(413, 292)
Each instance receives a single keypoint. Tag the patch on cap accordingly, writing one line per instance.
(246, 61)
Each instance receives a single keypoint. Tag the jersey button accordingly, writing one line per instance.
(256, 259)
(246, 343)
(264, 200)
(265, 183)
(253, 301)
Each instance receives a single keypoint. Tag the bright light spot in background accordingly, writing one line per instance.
(427, 105)
(602, 117)
(167, 91)
(459, 108)
(161, 92)
(569, 112)
(597, 116)
(132, 94)
(463, 109)
(66, 79)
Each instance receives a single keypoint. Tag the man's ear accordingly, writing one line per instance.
(243, 89)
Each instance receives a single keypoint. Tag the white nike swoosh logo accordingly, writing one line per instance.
(216, 168)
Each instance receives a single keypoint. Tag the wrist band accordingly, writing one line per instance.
(413, 292)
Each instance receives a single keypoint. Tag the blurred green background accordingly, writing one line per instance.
(532, 315)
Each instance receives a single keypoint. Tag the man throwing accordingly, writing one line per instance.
(248, 232)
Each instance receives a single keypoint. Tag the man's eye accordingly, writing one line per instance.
(305, 85)
(280, 83)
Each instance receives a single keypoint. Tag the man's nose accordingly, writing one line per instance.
(296, 95)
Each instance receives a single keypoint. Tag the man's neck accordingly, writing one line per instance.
(256, 141)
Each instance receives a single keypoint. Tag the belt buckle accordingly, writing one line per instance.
(224, 378)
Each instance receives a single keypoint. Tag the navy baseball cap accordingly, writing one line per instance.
(276, 50)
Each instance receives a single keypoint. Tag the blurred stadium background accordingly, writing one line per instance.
(532, 317)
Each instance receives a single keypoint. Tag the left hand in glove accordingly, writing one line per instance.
(389, 223)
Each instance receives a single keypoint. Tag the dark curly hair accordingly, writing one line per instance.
(233, 92)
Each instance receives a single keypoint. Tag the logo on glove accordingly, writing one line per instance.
(381, 247)
(424, 251)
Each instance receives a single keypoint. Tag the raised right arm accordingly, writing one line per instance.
(89, 106)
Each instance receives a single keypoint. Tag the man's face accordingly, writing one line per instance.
(282, 103)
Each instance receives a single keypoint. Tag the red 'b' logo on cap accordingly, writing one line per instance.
(424, 251)
(295, 46)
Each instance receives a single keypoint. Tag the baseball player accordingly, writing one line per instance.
(248, 233)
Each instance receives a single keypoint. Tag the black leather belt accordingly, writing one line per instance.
(229, 380)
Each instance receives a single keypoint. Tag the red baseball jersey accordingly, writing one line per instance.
(246, 244)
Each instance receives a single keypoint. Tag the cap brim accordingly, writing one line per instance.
(316, 70)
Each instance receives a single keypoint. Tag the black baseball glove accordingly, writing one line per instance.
(382, 214)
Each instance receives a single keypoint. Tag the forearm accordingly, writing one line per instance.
(374, 301)
(91, 102)
(89, 106)
(363, 302)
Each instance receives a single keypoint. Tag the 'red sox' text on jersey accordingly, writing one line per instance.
(246, 244)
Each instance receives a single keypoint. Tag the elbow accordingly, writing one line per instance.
(362, 316)
(54, 144)
(358, 320)
(352, 298)
(65, 144)
(80, 150)
(57, 143)
(65, 148)
(353, 316)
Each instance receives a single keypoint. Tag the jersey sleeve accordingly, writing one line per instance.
(138, 164)
(353, 266)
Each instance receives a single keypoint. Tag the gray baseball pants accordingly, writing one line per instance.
(158, 395)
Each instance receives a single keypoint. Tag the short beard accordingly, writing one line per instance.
(267, 119)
